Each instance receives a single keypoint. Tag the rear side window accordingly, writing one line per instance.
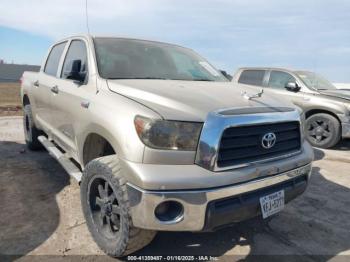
(76, 51)
(280, 79)
(252, 77)
(53, 60)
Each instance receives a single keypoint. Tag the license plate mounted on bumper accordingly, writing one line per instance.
(272, 203)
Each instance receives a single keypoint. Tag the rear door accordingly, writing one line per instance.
(47, 80)
(276, 84)
(70, 104)
(253, 77)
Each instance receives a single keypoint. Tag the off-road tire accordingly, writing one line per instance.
(331, 126)
(129, 238)
(31, 133)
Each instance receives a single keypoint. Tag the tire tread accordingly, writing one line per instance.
(133, 238)
(31, 138)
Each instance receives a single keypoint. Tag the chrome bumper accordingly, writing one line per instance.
(143, 203)
(345, 125)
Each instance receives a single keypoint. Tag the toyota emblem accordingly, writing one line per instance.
(268, 140)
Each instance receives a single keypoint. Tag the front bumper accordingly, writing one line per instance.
(199, 212)
(345, 127)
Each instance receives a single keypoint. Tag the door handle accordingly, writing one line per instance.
(54, 89)
(85, 104)
(36, 83)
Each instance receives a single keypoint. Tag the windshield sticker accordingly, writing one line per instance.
(209, 68)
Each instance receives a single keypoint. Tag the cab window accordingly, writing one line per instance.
(53, 59)
(279, 79)
(252, 77)
(76, 52)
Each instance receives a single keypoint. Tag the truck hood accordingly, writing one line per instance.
(340, 93)
(190, 100)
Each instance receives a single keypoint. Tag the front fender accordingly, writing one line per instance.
(112, 117)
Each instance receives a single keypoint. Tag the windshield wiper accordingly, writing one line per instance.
(160, 78)
(199, 79)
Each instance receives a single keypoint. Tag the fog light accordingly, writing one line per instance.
(169, 212)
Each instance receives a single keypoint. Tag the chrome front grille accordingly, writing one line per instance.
(233, 140)
(243, 144)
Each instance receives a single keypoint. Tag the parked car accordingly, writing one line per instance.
(327, 109)
(159, 140)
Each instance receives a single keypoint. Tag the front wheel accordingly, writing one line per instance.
(106, 209)
(31, 133)
(322, 130)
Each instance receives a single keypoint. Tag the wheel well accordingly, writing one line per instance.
(319, 111)
(96, 146)
(26, 100)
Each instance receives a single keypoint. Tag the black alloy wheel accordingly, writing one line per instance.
(104, 207)
(322, 130)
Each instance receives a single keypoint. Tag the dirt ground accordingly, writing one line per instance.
(10, 102)
(41, 214)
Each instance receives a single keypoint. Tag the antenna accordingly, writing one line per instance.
(87, 16)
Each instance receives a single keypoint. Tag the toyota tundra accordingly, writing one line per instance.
(160, 141)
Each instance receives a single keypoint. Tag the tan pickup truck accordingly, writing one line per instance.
(160, 141)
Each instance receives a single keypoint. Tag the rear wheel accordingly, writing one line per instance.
(322, 130)
(106, 208)
(31, 133)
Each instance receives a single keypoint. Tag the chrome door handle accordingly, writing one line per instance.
(54, 89)
(85, 104)
(36, 83)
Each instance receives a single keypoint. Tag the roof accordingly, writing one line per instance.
(13, 72)
(267, 68)
(91, 37)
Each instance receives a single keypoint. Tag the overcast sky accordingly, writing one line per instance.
(302, 34)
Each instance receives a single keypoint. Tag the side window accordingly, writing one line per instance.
(54, 59)
(76, 51)
(252, 77)
(280, 79)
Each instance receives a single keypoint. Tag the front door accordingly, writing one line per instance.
(70, 104)
(276, 85)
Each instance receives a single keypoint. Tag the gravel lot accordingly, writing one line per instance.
(41, 214)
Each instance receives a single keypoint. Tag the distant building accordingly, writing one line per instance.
(13, 72)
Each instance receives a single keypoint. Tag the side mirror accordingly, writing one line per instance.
(74, 71)
(225, 74)
(292, 86)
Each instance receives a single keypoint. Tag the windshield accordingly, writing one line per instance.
(315, 81)
(119, 58)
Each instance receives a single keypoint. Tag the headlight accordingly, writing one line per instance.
(170, 135)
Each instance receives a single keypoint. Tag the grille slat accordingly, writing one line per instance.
(246, 152)
(240, 145)
(249, 131)
(230, 143)
(238, 142)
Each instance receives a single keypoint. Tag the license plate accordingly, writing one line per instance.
(272, 204)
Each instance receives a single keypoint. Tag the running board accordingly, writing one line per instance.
(65, 162)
